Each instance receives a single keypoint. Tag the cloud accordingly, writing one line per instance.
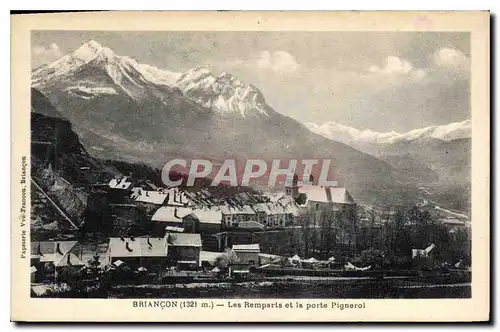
(43, 55)
(396, 93)
(279, 61)
(451, 59)
(395, 66)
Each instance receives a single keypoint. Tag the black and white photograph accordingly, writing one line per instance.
(217, 169)
(390, 110)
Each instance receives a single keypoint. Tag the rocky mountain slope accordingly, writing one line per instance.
(61, 171)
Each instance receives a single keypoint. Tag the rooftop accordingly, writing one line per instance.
(149, 196)
(60, 253)
(120, 183)
(176, 197)
(327, 195)
(247, 247)
(183, 239)
(137, 247)
(51, 251)
(246, 209)
(171, 214)
(209, 216)
(262, 207)
(209, 256)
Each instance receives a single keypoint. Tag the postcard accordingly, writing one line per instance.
(250, 167)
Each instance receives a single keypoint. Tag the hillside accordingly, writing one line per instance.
(61, 171)
(451, 160)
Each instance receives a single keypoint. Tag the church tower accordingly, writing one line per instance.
(292, 189)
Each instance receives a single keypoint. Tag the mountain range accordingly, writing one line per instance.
(125, 110)
(350, 135)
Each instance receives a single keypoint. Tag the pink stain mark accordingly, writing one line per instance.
(423, 21)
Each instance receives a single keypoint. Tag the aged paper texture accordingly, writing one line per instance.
(250, 166)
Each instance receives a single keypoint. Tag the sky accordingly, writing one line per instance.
(383, 81)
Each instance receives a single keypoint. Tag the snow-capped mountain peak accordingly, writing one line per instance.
(91, 50)
(94, 70)
(346, 134)
(224, 93)
(69, 63)
(125, 72)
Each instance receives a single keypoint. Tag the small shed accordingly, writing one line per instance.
(184, 249)
(248, 253)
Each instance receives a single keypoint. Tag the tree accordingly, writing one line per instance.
(372, 218)
(305, 230)
(224, 260)
(301, 199)
(327, 233)
(422, 228)
(93, 266)
(398, 238)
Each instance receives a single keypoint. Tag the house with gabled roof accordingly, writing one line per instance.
(184, 249)
(247, 253)
(53, 258)
(169, 216)
(120, 183)
(173, 249)
(119, 188)
(323, 206)
(147, 252)
(328, 196)
(203, 220)
(326, 199)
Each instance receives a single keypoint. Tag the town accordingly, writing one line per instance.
(112, 227)
(174, 235)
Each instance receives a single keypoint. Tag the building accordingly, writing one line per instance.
(320, 199)
(456, 227)
(280, 212)
(262, 213)
(121, 183)
(327, 197)
(292, 189)
(248, 253)
(278, 216)
(150, 199)
(52, 260)
(119, 188)
(146, 252)
(453, 223)
(204, 220)
(293, 213)
(333, 208)
(169, 218)
(174, 249)
(251, 225)
(209, 258)
(176, 197)
(183, 250)
(232, 215)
